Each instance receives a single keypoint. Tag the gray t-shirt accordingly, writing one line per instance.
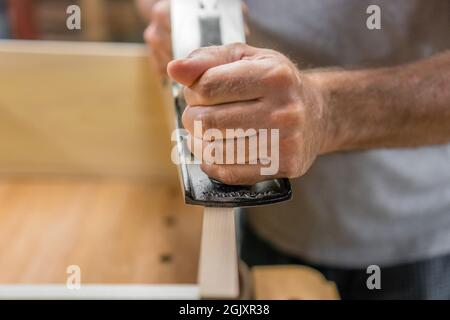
(375, 207)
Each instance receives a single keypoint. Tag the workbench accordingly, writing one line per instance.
(86, 177)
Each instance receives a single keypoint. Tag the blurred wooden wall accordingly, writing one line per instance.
(86, 177)
(102, 20)
(76, 108)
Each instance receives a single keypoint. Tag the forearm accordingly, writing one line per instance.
(401, 106)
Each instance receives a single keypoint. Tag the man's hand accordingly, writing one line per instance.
(316, 112)
(238, 86)
(158, 33)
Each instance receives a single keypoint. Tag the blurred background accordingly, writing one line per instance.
(102, 20)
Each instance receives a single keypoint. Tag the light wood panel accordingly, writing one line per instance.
(103, 292)
(291, 282)
(81, 109)
(117, 232)
(218, 268)
(84, 125)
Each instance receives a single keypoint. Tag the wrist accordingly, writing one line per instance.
(325, 83)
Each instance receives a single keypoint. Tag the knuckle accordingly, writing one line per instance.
(206, 87)
(291, 168)
(151, 36)
(198, 52)
(147, 32)
(288, 116)
(271, 52)
(187, 94)
(159, 10)
(238, 49)
(297, 116)
(210, 169)
(237, 46)
(221, 173)
(281, 74)
(205, 118)
(186, 120)
(294, 114)
(226, 175)
(193, 116)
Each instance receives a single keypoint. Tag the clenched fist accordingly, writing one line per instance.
(239, 86)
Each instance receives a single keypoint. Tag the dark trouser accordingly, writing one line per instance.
(427, 279)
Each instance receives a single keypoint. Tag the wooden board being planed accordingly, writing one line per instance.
(218, 270)
(69, 108)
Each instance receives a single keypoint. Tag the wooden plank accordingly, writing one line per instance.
(117, 232)
(291, 282)
(218, 270)
(81, 109)
(103, 292)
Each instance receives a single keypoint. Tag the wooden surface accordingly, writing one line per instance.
(95, 22)
(291, 282)
(102, 292)
(81, 109)
(118, 232)
(85, 172)
(218, 269)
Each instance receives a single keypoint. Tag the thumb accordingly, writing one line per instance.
(187, 71)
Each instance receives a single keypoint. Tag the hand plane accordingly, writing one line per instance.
(201, 23)
(195, 24)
